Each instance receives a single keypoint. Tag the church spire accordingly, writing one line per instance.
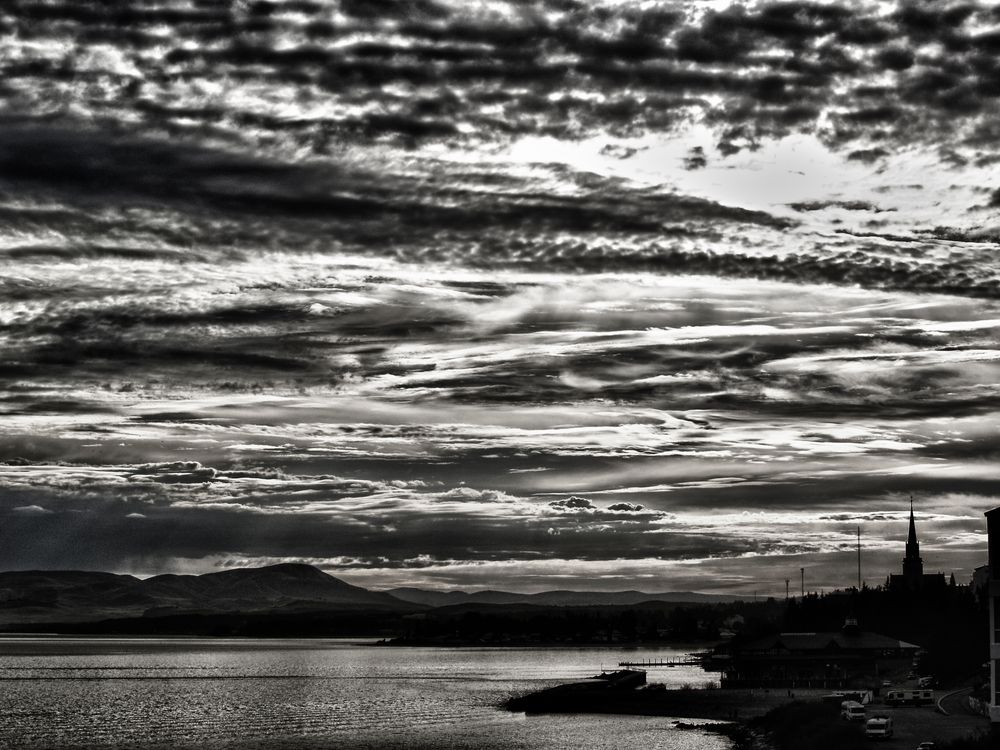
(911, 541)
(913, 565)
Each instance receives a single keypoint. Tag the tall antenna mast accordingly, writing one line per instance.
(859, 558)
(786, 589)
(802, 572)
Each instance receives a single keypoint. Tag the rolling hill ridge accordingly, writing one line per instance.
(81, 596)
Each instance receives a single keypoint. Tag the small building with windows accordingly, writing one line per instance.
(993, 530)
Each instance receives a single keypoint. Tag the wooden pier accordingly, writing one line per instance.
(671, 661)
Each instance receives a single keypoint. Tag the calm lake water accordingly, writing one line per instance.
(211, 693)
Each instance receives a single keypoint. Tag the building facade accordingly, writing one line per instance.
(993, 529)
(848, 658)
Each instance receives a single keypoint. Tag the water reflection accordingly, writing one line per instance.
(206, 693)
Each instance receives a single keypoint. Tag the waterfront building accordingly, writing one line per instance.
(913, 579)
(845, 658)
(993, 530)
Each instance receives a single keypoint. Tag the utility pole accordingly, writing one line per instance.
(802, 572)
(786, 589)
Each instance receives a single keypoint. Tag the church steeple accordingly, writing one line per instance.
(913, 565)
(913, 580)
(911, 541)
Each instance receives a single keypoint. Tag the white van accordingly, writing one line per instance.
(879, 728)
(852, 711)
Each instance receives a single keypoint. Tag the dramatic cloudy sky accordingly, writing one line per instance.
(524, 295)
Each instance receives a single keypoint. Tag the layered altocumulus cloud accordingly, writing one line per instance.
(870, 77)
(399, 116)
(497, 294)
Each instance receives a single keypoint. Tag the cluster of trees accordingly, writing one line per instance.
(950, 623)
(643, 623)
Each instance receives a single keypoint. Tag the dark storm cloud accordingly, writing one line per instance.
(857, 484)
(625, 507)
(91, 165)
(179, 471)
(573, 504)
(125, 318)
(87, 165)
(25, 403)
(846, 205)
(376, 531)
(185, 510)
(54, 252)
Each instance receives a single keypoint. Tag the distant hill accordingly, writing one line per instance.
(553, 598)
(288, 592)
(75, 596)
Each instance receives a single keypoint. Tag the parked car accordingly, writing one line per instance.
(925, 746)
(925, 682)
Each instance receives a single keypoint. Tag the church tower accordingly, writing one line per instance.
(913, 579)
(913, 564)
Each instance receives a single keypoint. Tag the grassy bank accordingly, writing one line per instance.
(805, 725)
(979, 742)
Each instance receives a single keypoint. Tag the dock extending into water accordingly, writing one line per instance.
(671, 661)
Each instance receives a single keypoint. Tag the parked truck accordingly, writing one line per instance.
(852, 711)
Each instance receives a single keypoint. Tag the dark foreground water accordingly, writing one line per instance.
(208, 693)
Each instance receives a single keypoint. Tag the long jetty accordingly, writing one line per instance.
(671, 661)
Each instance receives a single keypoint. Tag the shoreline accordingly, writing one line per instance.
(750, 717)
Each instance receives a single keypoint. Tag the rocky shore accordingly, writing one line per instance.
(624, 692)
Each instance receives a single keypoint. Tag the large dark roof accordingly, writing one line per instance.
(860, 641)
